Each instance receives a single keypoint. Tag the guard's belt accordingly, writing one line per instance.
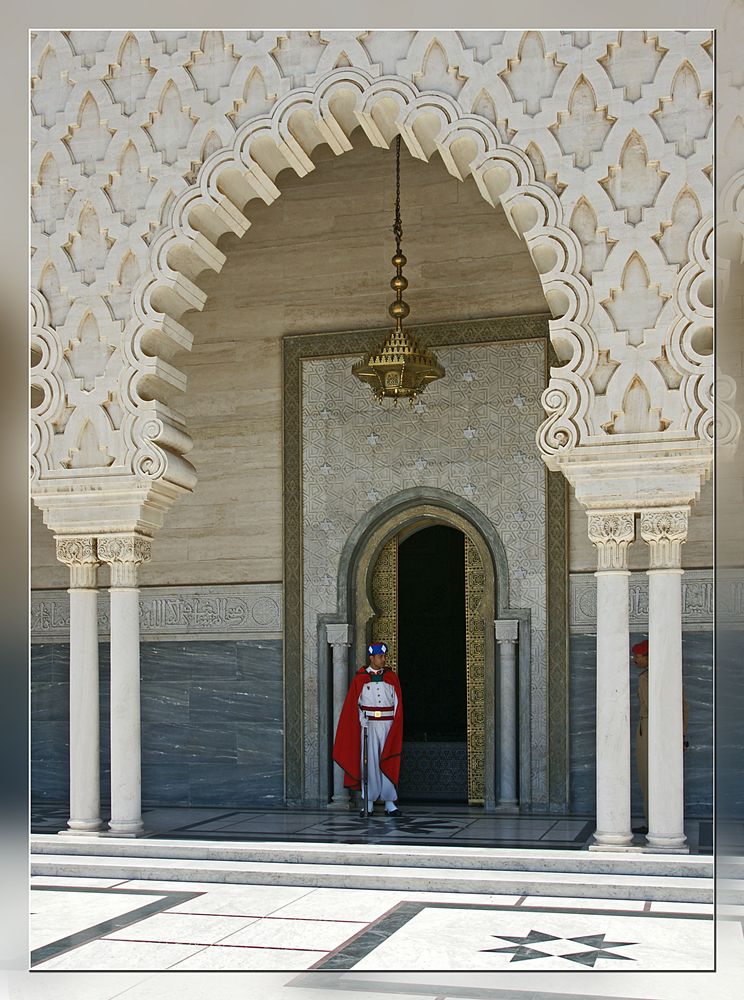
(377, 713)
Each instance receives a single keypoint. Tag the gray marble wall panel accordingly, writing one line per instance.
(212, 723)
(697, 653)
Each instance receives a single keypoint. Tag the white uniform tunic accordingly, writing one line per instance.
(377, 696)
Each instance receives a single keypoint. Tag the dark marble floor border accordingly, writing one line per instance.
(345, 958)
(201, 822)
(96, 931)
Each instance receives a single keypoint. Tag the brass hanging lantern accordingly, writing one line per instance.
(401, 368)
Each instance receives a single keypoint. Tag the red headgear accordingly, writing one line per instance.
(641, 648)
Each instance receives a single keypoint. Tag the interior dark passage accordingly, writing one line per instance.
(431, 664)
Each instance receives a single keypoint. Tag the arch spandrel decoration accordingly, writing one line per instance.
(123, 218)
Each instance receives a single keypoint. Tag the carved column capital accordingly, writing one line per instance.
(665, 530)
(124, 553)
(337, 635)
(611, 532)
(506, 630)
(79, 553)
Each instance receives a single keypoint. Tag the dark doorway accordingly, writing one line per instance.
(431, 665)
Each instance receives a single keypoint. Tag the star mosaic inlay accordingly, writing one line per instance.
(522, 949)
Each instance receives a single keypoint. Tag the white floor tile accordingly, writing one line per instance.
(341, 904)
(181, 928)
(451, 939)
(274, 932)
(57, 914)
(224, 898)
(248, 959)
(117, 956)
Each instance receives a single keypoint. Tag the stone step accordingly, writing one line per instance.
(415, 856)
(389, 876)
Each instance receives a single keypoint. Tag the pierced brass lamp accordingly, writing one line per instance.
(401, 368)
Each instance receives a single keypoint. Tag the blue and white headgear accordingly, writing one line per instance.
(376, 648)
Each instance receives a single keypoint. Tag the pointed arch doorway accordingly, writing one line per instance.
(430, 595)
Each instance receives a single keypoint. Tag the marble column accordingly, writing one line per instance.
(124, 553)
(665, 531)
(79, 553)
(611, 532)
(507, 634)
(338, 639)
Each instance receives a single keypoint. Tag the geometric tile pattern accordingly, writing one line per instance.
(223, 926)
(521, 948)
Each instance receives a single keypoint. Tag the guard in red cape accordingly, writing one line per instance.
(373, 707)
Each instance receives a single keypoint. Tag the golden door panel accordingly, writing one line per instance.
(384, 592)
(385, 600)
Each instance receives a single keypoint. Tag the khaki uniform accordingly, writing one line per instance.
(642, 735)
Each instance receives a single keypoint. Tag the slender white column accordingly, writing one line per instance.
(338, 638)
(507, 633)
(124, 553)
(665, 531)
(85, 779)
(611, 533)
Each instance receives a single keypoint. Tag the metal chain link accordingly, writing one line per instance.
(397, 225)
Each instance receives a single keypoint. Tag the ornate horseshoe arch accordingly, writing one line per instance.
(376, 619)
(486, 598)
(154, 439)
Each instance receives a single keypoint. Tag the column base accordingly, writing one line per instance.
(340, 803)
(67, 832)
(136, 829)
(83, 825)
(674, 844)
(612, 840)
(506, 807)
(616, 848)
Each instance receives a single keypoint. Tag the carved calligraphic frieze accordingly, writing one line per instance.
(176, 614)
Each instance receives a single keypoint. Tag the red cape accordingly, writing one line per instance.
(347, 746)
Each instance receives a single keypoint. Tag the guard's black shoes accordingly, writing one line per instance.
(366, 812)
(640, 829)
(394, 813)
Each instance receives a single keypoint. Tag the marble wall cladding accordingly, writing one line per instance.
(212, 723)
(697, 653)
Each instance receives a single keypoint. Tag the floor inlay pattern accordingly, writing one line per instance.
(151, 925)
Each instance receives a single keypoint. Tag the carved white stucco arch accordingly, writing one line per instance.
(214, 204)
(519, 153)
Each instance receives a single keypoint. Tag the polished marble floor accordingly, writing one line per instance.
(433, 825)
(100, 924)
